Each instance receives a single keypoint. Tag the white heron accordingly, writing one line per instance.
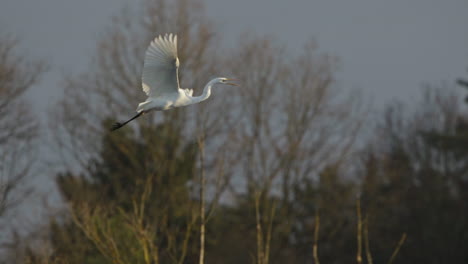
(160, 80)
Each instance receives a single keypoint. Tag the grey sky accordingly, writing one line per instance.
(386, 47)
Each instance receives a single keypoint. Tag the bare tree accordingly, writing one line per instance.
(18, 126)
(293, 119)
(282, 125)
(19, 130)
(418, 152)
(112, 87)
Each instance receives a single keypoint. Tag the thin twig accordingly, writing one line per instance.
(397, 249)
(268, 238)
(366, 241)
(186, 239)
(316, 237)
(259, 229)
(359, 232)
(202, 200)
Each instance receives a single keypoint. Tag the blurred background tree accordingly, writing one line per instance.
(414, 184)
(19, 131)
(286, 149)
(124, 209)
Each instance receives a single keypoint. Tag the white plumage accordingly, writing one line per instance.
(160, 70)
(160, 80)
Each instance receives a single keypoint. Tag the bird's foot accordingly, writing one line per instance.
(116, 126)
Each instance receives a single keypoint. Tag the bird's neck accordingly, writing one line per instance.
(206, 93)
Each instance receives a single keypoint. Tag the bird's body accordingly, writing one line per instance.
(182, 97)
(160, 80)
(165, 102)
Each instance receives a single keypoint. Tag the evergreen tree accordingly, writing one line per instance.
(134, 203)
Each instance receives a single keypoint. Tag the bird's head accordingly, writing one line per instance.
(226, 81)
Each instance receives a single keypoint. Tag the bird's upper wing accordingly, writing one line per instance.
(160, 70)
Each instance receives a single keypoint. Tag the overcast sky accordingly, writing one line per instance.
(387, 47)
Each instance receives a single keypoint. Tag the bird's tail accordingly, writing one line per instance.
(143, 106)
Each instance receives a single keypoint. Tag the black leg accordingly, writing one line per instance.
(119, 125)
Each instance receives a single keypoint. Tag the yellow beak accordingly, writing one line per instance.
(232, 80)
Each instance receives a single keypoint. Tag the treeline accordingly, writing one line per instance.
(293, 169)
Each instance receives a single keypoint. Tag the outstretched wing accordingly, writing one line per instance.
(160, 70)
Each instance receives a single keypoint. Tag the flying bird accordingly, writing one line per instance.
(160, 80)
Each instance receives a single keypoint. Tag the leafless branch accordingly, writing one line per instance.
(397, 248)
